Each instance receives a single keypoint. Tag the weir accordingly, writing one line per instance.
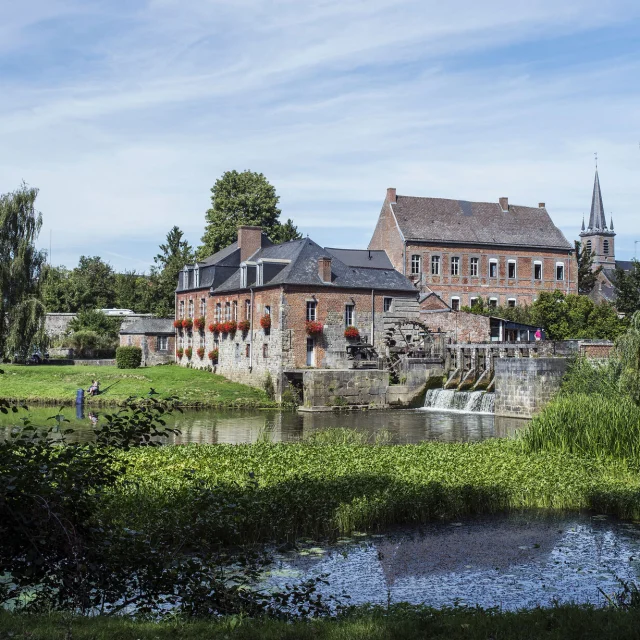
(468, 401)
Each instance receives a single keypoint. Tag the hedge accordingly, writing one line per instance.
(128, 357)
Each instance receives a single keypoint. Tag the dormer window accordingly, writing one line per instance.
(243, 275)
(196, 277)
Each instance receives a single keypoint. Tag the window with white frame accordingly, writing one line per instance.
(191, 308)
(559, 271)
(493, 303)
(435, 265)
(243, 275)
(312, 306)
(196, 278)
(201, 340)
(473, 266)
(493, 268)
(218, 314)
(235, 310)
(349, 315)
(203, 306)
(511, 269)
(537, 270)
(227, 310)
(415, 264)
(387, 304)
(455, 266)
(267, 309)
(511, 302)
(247, 309)
(181, 308)
(162, 343)
(473, 301)
(455, 303)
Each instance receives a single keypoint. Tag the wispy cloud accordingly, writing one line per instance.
(124, 114)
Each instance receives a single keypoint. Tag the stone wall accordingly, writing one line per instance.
(330, 388)
(57, 324)
(458, 326)
(525, 385)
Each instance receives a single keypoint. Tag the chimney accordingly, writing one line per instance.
(391, 195)
(324, 269)
(541, 205)
(249, 241)
(504, 204)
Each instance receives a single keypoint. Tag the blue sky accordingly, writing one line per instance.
(124, 114)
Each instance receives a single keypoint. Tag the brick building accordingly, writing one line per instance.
(463, 250)
(252, 301)
(155, 336)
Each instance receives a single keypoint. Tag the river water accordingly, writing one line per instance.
(238, 427)
(511, 562)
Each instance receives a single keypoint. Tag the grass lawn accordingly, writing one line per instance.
(561, 623)
(58, 384)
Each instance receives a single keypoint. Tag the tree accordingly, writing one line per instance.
(242, 198)
(627, 289)
(587, 275)
(92, 284)
(56, 289)
(22, 312)
(174, 254)
(131, 291)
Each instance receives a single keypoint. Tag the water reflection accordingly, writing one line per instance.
(244, 427)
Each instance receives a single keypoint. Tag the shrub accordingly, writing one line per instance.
(198, 323)
(188, 352)
(200, 352)
(213, 356)
(244, 326)
(351, 333)
(187, 323)
(128, 357)
(96, 321)
(265, 322)
(314, 328)
(269, 389)
(179, 352)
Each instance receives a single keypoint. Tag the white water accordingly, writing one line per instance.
(467, 401)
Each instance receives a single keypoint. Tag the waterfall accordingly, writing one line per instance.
(467, 401)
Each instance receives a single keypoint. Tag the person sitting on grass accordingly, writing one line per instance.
(94, 389)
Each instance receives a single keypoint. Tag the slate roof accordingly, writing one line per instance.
(597, 221)
(154, 326)
(372, 259)
(460, 221)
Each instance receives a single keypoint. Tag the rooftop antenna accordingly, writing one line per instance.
(50, 234)
(596, 156)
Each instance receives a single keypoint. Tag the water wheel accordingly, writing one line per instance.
(406, 339)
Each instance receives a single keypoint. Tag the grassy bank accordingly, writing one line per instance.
(561, 623)
(58, 384)
(257, 492)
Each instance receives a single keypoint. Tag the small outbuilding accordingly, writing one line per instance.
(155, 336)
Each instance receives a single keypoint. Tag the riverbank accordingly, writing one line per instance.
(48, 384)
(400, 622)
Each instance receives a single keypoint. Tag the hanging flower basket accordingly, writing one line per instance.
(187, 323)
(228, 327)
(188, 352)
(214, 327)
(314, 328)
(213, 356)
(351, 333)
(200, 352)
(179, 352)
(198, 324)
(177, 324)
(244, 326)
(265, 322)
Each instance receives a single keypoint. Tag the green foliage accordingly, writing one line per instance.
(22, 313)
(92, 284)
(56, 290)
(520, 314)
(96, 321)
(269, 389)
(627, 289)
(597, 377)
(242, 198)
(628, 353)
(339, 436)
(587, 275)
(128, 357)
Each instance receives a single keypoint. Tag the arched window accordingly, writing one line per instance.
(605, 246)
(589, 246)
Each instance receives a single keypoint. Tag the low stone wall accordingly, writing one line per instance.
(525, 385)
(343, 388)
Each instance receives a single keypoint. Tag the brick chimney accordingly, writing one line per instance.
(324, 269)
(504, 204)
(249, 240)
(541, 205)
(391, 195)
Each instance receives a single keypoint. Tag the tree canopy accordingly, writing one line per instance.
(240, 198)
(21, 265)
(587, 275)
(627, 289)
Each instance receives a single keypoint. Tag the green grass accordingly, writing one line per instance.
(401, 623)
(58, 384)
(327, 490)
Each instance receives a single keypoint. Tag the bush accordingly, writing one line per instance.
(128, 357)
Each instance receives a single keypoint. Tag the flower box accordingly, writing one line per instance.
(244, 326)
(200, 352)
(188, 352)
(214, 327)
(228, 327)
(187, 323)
(265, 322)
(179, 352)
(314, 328)
(198, 323)
(177, 324)
(213, 356)
(351, 333)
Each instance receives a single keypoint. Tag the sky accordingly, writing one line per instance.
(124, 113)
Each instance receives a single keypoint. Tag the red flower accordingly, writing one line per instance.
(228, 327)
(213, 356)
(200, 352)
(351, 333)
(314, 328)
(244, 326)
(187, 323)
(188, 352)
(180, 352)
(214, 327)
(265, 322)
(177, 324)
(198, 323)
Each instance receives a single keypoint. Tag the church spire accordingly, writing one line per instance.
(582, 229)
(597, 221)
(611, 225)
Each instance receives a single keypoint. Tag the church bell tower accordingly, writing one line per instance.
(597, 237)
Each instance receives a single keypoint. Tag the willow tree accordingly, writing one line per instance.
(22, 313)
